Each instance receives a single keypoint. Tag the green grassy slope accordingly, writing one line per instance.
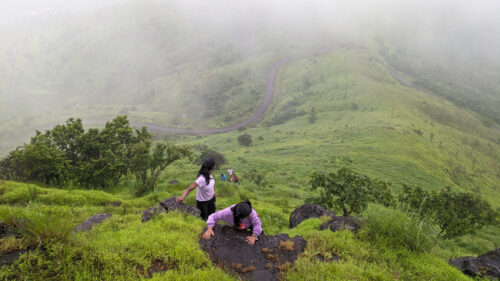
(123, 248)
(368, 121)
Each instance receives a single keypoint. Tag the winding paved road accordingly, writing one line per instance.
(271, 82)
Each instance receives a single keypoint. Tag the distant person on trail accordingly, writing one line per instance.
(240, 216)
(205, 194)
(222, 177)
(230, 173)
(235, 179)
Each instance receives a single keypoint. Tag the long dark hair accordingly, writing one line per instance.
(241, 210)
(208, 164)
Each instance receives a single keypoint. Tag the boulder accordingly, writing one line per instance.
(168, 205)
(6, 230)
(308, 211)
(10, 258)
(262, 261)
(116, 203)
(171, 204)
(341, 223)
(91, 222)
(149, 213)
(173, 182)
(486, 265)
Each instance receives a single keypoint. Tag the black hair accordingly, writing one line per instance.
(208, 164)
(241, 210)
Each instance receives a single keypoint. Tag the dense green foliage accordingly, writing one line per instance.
(147, 164)
(349, 191)
(206, 152)
(456, 213)
(93, 158)
(245, 139)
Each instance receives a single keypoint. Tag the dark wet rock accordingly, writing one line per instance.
(341, 223)
(467, 265)
(308, 211)
(173, 182)
(262, 261)
(116, 203)
(169, 205)
(486, 265)
(91, 222)
(6, 230)
(148, 214)
(11, 257)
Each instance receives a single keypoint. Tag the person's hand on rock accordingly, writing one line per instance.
(251, 239)
(208, 233)
(180, 199)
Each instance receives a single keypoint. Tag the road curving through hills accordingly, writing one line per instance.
(270, 88)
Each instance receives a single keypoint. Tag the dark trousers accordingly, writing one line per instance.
(206, 207)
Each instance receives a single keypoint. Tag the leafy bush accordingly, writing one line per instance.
(245, 139)
(96, 159)
(456, 213)
(147, 166)
(206, 152)
(348, 191)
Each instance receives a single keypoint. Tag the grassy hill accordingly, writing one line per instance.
(123, 248)
(158, 64)
(368, 121)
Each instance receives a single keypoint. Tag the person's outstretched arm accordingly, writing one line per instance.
(212, 220)
(257, 228)
(181, 198)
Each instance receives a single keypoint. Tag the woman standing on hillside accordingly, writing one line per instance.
(240, 216)
(205, 194)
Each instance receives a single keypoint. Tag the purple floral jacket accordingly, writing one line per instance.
(227, 216)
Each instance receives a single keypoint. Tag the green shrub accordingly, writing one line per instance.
(349, 191)
(456, 213)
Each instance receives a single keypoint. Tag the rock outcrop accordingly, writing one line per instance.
(169, 205)
(308, 211)
(149, 213)
(487, 265)
(341, 223)
(11, 257)
(262, 261)
(91, 222)
(335, 223)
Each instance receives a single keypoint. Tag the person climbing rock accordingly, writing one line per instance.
(241, 216)
(205, 193)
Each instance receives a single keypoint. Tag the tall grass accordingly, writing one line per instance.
(399, 228)
(39, 225)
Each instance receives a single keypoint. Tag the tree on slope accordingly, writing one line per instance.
(147, 162)
(349, 191)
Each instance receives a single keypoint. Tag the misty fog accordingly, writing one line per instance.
(61, 56)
